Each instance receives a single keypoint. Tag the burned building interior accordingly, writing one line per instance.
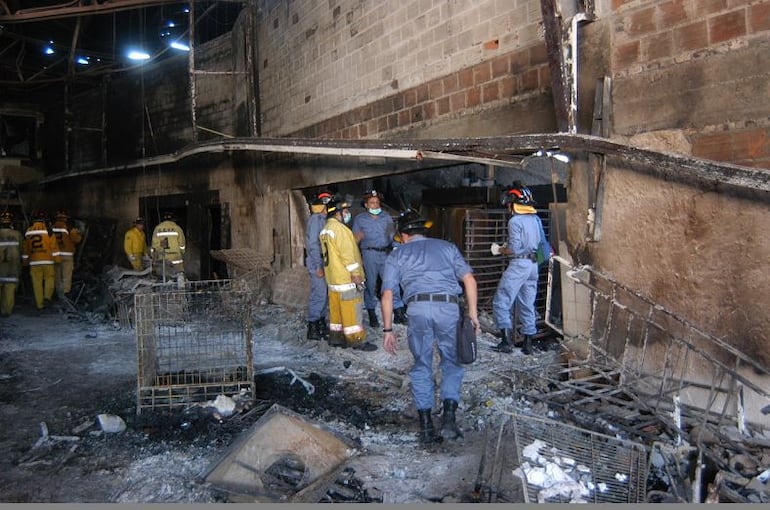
(642, 128)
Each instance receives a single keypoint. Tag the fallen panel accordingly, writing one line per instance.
(283, 457)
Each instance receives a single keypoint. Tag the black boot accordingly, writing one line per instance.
(373, 322)
(323, 328)
(313, 333)
(528, 347)
(449, 429)
(506, 344)
(399, 316)
(427, 432)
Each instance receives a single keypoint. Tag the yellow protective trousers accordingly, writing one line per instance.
(43, 283)
(346, 317)
(7, 298)
(64, 274)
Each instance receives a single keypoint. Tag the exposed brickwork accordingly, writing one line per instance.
(759, 17)
(330, 57)
(741, 147)
(477, 86)
(726, 27)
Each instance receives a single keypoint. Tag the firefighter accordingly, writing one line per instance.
(168, 247)
(318, 300)
(430, 272)
(67, 238)
(344, 273)
(10, 263)
(374, 231)
(519, 281)
(40, 252)
(135, 245)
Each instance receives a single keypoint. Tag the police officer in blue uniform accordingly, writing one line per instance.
(429, 271)
(374, 232)
(318, 300)
(519, 281)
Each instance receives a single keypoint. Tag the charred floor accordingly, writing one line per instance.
(556, 426)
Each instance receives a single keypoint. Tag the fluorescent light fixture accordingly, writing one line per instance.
(82, 60)
(561, 157)
(138, 55)
(48, 50)
(177, 45)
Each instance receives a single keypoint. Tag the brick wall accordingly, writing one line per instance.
(695, 65)
(355, 68)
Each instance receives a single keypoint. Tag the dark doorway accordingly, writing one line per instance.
(199, 215)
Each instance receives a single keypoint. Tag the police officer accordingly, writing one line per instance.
(68, 239)
(318, 300)
(344, 273)
(168, 247)
(10, 263)
(135, 245)
(519, 281)
(429, 271)
(374, 233)
(40, 252)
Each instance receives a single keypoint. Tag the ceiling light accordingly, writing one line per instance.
(177, 45)
(48, 50)
(138, 55)
(81, 60)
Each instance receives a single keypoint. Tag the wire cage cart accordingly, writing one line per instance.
(560, 463)
(193, 343)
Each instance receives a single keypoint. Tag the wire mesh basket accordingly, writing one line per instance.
(560, 463)
(193, 343)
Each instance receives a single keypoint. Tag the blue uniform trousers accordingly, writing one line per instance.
(518, 283)
(428, 322)
(374, 262)
(317, 302)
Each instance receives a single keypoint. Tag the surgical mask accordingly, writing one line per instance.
(375, 211)
(346, 217)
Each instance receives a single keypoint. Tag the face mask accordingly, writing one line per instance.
(375, 211)
(346, 217)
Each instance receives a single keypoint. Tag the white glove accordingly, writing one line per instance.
(495, 248)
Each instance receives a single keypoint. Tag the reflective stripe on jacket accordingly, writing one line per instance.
(67, 238)
(340, 254)
(40, 247)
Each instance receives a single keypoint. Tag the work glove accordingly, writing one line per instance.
(495, 248)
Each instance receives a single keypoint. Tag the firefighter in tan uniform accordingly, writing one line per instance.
(39, 253)
(168, 246)
(344, 274)
(135, 245)
(10, 263)
(68, 239)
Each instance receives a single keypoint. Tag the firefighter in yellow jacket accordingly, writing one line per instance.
(10, 263)
(39, 252)
(168, 246)
(68, 239)
(135, 245)
(344, 273)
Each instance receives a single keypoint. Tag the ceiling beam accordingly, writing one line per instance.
(69, 11)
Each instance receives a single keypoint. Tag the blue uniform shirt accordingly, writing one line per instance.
(425, 265)
(378, 229)
(315, 224)
(523, 233)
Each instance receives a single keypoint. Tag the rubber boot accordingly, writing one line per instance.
(449, 429)
(399, 316)
(506, 344)
(323, 328)
(313, 333)
(427, 432)
(373, 322)
(528, 347)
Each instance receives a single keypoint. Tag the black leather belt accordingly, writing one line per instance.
(441, 298)
(530, 256)
(384, 248)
